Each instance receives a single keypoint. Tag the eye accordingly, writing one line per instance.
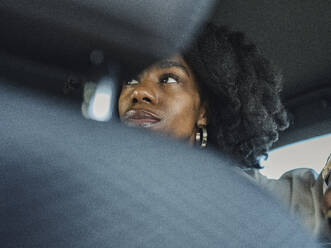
(169, 79)
(132, 82)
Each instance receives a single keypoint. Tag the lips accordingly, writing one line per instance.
(141, 118)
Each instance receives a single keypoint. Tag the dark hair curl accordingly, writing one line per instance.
(242, 92)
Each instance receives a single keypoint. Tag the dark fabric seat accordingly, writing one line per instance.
(69, 182)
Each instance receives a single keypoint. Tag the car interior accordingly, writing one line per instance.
(58, 50)
(50, 49)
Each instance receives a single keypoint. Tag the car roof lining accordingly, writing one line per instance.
(295, 35)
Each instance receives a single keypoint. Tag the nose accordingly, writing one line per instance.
(144, 94)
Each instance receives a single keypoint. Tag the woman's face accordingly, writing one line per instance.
(164, 98)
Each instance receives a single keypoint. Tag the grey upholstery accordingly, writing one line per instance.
(69, 182)
(66, 32)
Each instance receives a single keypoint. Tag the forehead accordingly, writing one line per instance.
(176, 62)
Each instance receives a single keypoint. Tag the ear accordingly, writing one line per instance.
(203, 119)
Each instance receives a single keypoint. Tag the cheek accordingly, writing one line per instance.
(183, 115)
(123, 102)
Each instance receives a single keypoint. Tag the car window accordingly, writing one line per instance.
(310, 153)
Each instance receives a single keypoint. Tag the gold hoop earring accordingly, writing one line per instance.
(203, 142)
(204, 137)
(198, 137)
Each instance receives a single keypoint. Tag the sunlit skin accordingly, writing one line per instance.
(164, 98)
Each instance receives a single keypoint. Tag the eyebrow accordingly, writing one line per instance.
(169, 63)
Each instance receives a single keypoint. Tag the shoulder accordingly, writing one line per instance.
(296, 180)
(301, 192)
(304, 175)
(295, 185)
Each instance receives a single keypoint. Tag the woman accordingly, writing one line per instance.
(231, 86)
(223, 93)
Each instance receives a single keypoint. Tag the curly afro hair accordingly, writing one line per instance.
(242, 92)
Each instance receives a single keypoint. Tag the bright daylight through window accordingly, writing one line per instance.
(311, 153)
